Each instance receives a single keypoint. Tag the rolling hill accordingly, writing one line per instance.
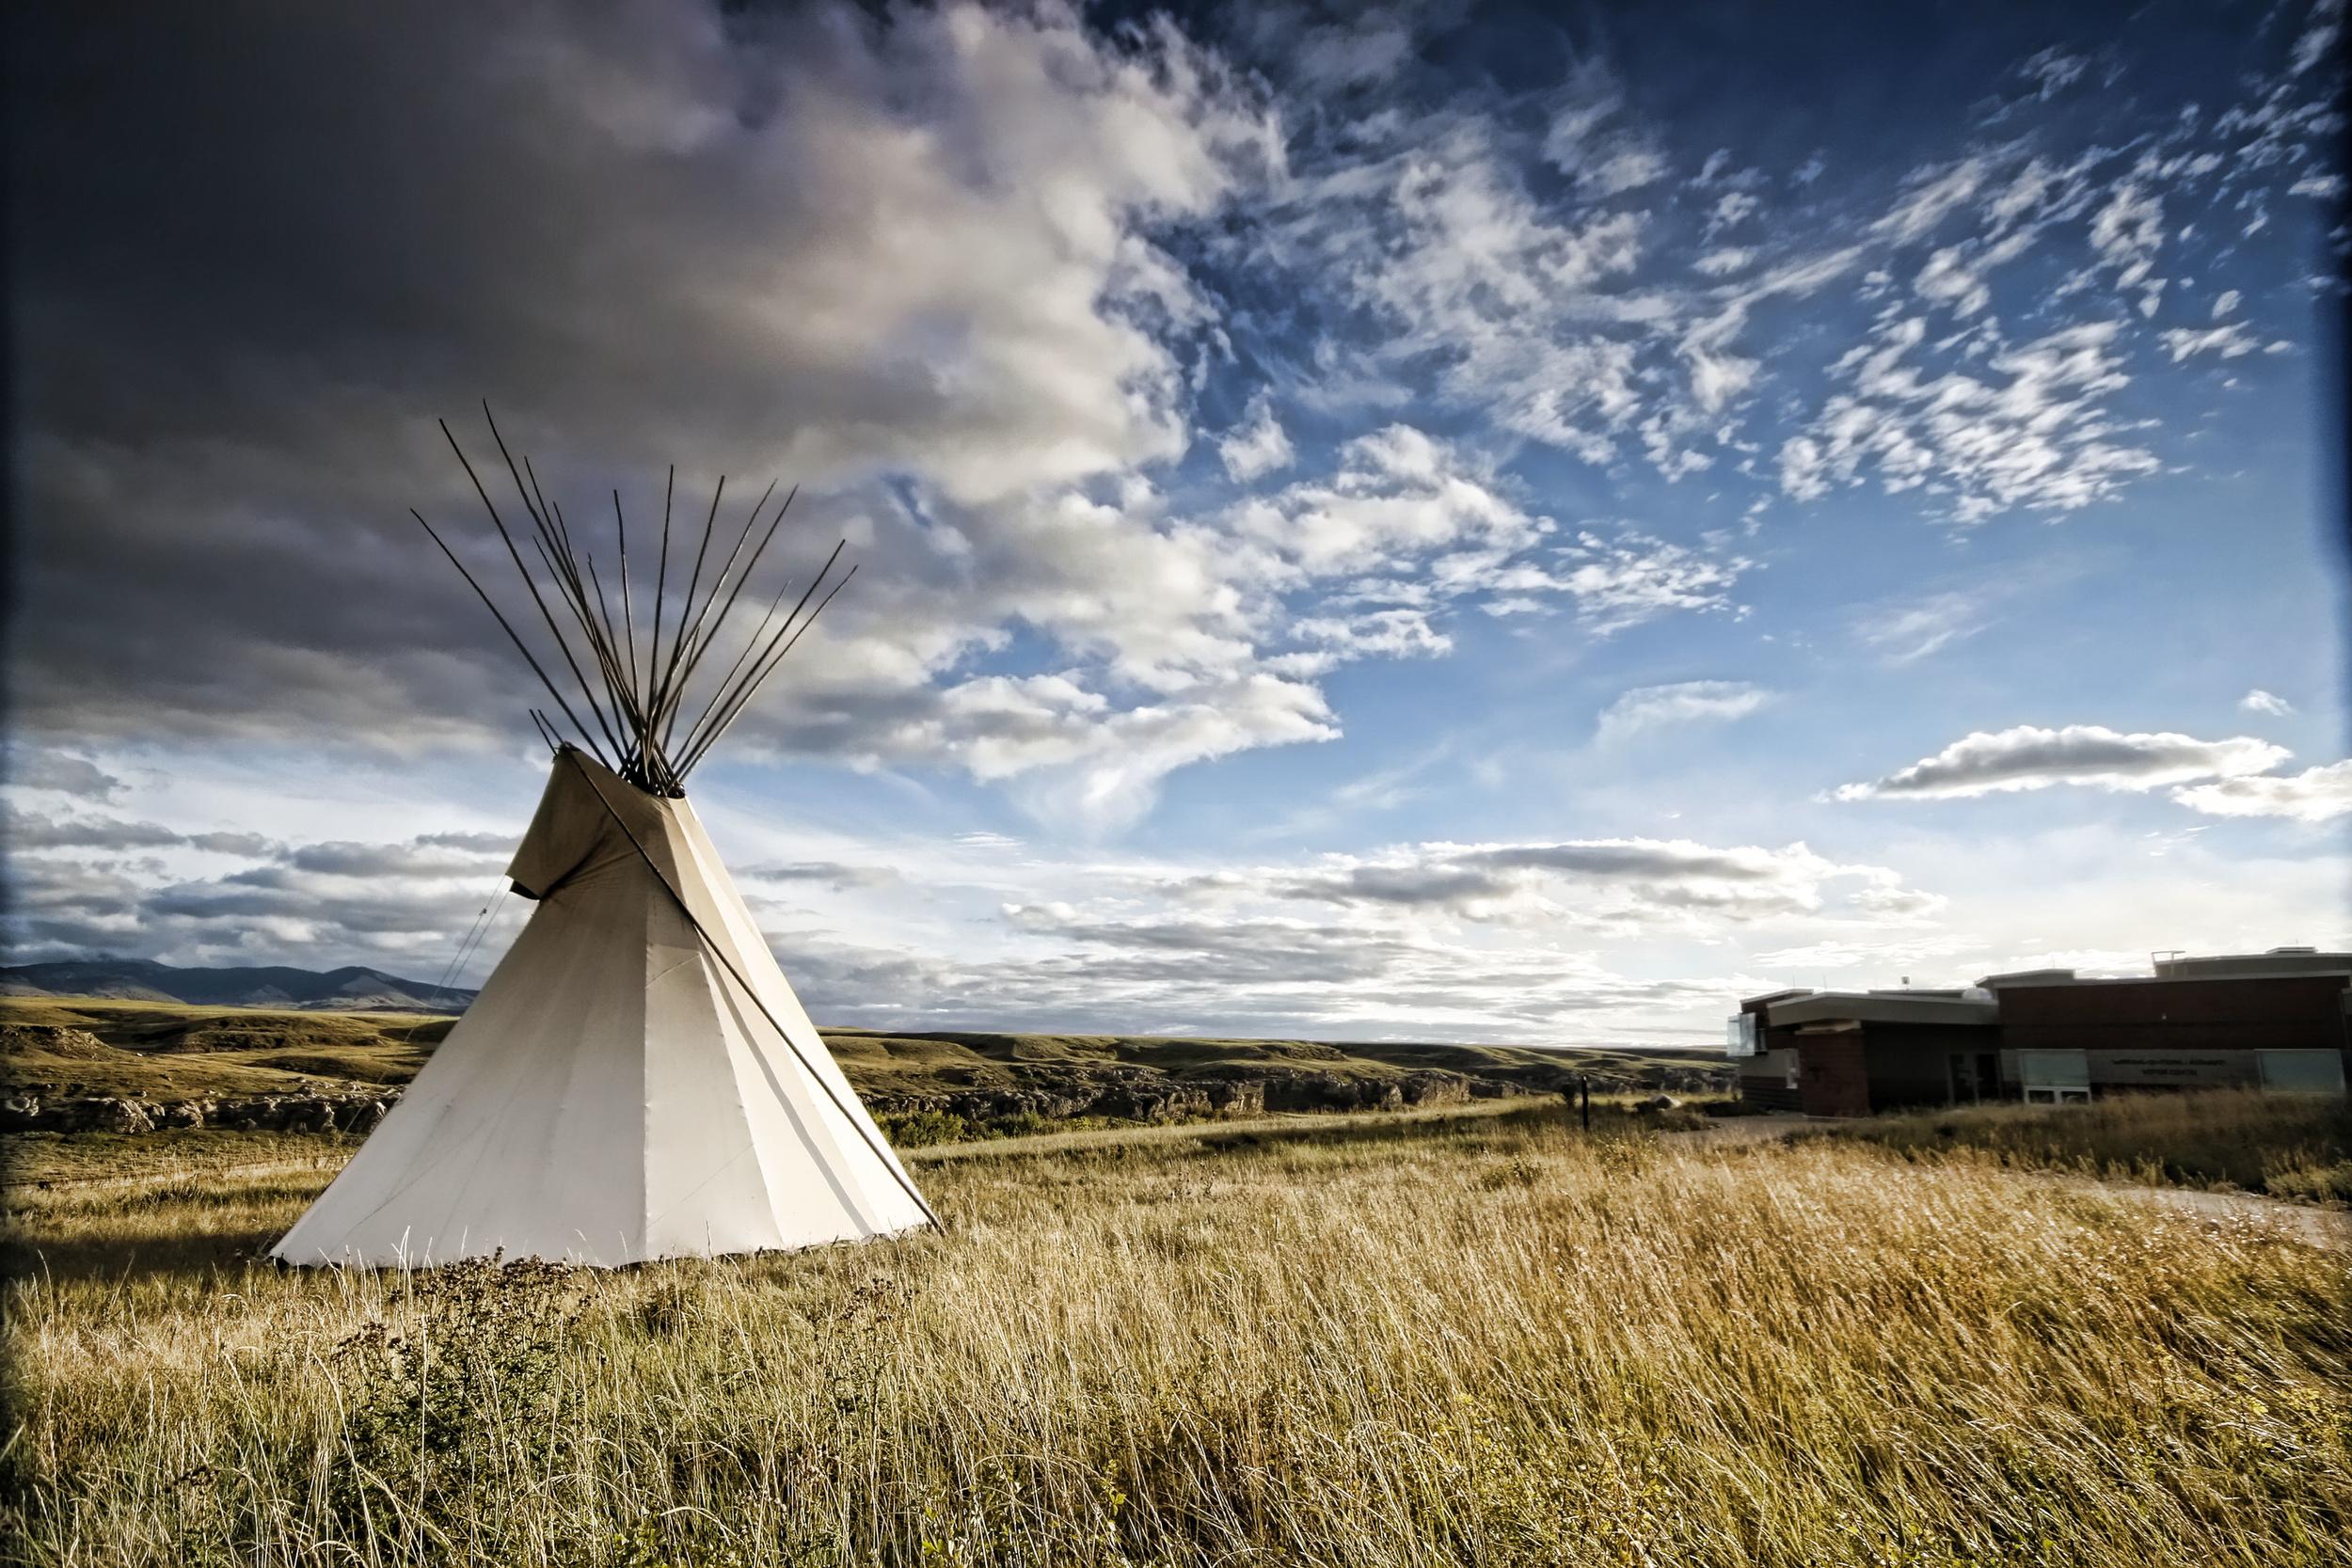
(68, 1059)
(348, 989)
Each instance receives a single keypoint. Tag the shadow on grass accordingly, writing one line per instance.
(191, 1258)
(1358, 1130)
(180, 1229)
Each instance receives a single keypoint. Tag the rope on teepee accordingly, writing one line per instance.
(856, 1124)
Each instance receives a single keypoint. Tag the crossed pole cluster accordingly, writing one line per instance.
(639, 694)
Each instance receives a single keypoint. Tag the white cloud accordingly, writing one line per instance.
(1401, 497)
(1522, 310)
(2312, 44)
(2031, 757)
(1257, 446)
(2034, 434)
(2052, 69)
(1622, 582)
(1932, 196)
(1731, 209)
(1626, 168)
(1605, 160)
(2227, 341)
(1601, 884)
(1396, 633)
(1549, 316)
(1889, 958)
(2314, 794)
(1646, 708)
(1076, 759)
(2258, 701)
(1399, 492)
(2128, 231)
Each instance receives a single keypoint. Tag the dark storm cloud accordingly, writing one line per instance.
(58, 772)
(24, 830)
(420, 858)
(407, 921)
(480, 843)
(259, 247)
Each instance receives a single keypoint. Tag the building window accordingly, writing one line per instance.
(1741, 1035)
(2308, 1071)
(2055, 1077)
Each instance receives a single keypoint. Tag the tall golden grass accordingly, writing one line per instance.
(2293, 1146)
(1497, 1341)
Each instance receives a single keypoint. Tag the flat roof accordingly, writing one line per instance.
(2277, 963)
(1882, 1006)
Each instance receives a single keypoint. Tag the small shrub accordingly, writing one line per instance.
(438, 1410)
(922, 1129)
(1519, 1172)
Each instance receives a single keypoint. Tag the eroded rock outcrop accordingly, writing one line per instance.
(52, 1039)
(291, 1113)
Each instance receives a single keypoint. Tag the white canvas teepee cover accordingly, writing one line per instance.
(615, 1094)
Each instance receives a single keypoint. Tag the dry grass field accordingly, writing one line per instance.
(2286, 1145)
(1487, 1340)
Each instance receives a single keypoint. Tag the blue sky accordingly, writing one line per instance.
(1443, 521)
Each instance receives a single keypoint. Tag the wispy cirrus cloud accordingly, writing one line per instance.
(1651, 707)
(1913, 630)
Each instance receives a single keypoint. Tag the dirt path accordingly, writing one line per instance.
(1726, 1131)
(2328, 1227)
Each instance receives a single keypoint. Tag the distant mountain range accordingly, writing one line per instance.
(143, 980)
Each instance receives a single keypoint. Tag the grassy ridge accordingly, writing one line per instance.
(171, 1050)
(1492, 1340)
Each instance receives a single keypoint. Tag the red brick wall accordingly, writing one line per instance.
(1832, 1077)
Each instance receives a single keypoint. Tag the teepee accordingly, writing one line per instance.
(636, 1079)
